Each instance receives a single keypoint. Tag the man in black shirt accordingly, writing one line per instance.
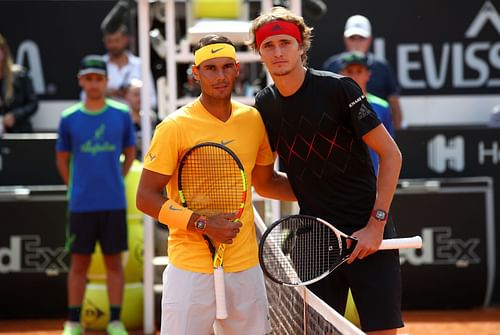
(321, 126)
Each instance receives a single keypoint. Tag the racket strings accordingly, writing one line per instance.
(212, 181)
(299, 250)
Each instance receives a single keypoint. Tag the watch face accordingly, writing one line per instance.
(201, 224)
(380, 215)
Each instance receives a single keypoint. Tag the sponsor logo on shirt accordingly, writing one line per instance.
(363, 112)
(356, 101)
(96, 145)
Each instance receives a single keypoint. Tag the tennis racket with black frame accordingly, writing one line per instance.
(300, 249)
(212, 181)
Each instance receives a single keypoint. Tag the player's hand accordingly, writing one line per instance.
(368, 238)
(222, 229)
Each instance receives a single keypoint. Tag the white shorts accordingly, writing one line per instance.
(188, 303)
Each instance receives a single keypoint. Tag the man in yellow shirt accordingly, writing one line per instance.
(188, 305)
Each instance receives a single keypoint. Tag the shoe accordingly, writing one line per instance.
(116, 328)
(72, 328)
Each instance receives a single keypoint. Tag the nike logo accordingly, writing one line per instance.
(216, 50)
(152, 157)
(172, 208)
(226, 142)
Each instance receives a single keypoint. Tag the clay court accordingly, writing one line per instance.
(450, 322)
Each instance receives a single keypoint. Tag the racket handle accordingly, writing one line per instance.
(220, 293)
(400, 243)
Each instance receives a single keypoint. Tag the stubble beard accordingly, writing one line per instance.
(281, 73)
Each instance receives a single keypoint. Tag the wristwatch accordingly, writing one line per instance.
(379, 215)
(201, 223)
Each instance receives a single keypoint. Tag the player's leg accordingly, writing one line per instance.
(188, 302)
(77, 278)
(113, 240)
(247, 305)
(81, 237)
(376, 289)
(77, 281)
(333, 289)
(115, 280)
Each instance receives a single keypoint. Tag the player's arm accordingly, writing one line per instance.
(150, 200)
(370, 237)
(272, 184)
(62, 163)
(129, 154)
(150, 197)
(390, 161)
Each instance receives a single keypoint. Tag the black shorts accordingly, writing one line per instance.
(375, 283)
(107, 227)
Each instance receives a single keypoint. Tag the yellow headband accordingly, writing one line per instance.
(214, 51)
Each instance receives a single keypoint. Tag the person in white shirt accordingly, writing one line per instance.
(123, 66)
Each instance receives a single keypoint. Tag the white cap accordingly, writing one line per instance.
(358, 25)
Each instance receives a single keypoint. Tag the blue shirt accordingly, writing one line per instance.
(383, 111)
(96, 140)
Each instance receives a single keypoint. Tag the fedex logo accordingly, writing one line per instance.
(439, 247)
(25, 253)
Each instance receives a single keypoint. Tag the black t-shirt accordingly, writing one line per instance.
(317, 134)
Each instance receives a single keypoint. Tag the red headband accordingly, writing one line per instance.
(277, 27)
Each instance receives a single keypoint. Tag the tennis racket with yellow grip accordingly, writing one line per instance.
(212, 181)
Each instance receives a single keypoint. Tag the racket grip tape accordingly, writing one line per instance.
(220, 294)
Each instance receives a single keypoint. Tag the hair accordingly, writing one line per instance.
(211, 39)
(112, 29)
(8, 68)
(283, 14)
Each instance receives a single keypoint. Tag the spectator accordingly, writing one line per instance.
(92, 136)
(190, 88)
(355, 65)
(133, 99)
(123, 66)
(18, 101)
(383, 82)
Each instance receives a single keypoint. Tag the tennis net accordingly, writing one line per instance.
(296, 310)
